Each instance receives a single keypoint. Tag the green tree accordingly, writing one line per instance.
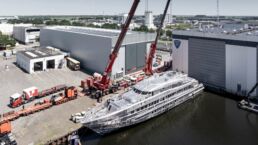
(93, 26)
(110, 26)
(37, 21)
(142, 28)
(78, 24)
(52, 22)
(65, 22)
(151, 30)
(169, 33)
(6, 40)
(162, 32)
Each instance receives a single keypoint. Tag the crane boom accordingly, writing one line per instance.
(103, 84)
(252, 90)
(148, 67)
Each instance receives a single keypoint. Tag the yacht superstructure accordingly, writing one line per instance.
(147, 99)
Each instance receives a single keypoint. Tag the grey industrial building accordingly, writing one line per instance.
(26, 34)
(224, 61)
(92, 47)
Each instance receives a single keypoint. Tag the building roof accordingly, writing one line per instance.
(131, 36)
(40, 53)
(28, 26)
(247, 35)
(89, 31)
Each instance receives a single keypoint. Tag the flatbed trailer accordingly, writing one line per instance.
(17, 100)
(70, 94)
(36, 108)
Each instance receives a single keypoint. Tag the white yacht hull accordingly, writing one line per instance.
(115, 122)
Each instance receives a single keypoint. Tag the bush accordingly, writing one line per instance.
(110, 26)
(6, 40)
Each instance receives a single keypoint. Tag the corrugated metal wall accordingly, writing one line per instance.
(135, 57)
(130, 52)
(19, 34)
(257, 69)
(92, 51)
(141, 53)
(207, 61)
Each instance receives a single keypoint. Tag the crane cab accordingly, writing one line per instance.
(16, 100)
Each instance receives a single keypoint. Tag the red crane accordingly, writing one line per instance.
(148, 66)
(104, 83)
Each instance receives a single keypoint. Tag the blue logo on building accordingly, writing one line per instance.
(177, 43)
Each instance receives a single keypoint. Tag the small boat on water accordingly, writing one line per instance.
(248, 106)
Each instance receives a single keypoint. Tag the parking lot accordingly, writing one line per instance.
(14, 80)
(49, 124)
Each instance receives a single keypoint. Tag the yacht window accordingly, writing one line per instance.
(141, 92)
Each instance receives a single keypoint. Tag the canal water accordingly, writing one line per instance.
(208, 120)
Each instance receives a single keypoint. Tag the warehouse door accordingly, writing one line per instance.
(38, 66)
(141, 53)
(207, 61)
(51, 64)
(135, 57)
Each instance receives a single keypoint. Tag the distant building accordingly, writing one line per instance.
(8, 17)
(39, 60)
(7, 29)
(92, 47)
(168, 19)
(149, 20)
(222, 60)
(25, 34)
(123, 18)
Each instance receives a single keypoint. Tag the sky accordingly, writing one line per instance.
(111, 7)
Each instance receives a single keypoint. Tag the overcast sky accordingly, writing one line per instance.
(89, 7)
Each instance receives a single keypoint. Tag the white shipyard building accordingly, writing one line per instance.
(222, 61)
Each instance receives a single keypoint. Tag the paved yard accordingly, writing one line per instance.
(48, 124)
(51, 123)
(14, 80)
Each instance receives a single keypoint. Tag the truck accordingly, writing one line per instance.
(69, 94)
(6, 137)
(73, 64)
(31, 94)
(28, 95)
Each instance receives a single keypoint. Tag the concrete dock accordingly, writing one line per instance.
(49, 124)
